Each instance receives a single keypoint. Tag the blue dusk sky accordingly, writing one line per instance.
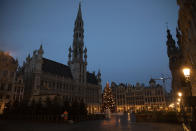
(126, 39)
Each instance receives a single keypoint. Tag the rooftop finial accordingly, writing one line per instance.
(166, 25)
(80, 3)
(79, 11)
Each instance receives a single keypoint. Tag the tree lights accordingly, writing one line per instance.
(108, 99)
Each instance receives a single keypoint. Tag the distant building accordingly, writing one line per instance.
(47, 78)
(18, 90)
(11, 87)
(138, 98)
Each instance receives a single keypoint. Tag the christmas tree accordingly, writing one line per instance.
(108, 99)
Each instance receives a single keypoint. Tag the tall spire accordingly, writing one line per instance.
(79, 20)
(77, 54)
(79, 15)
(78, 37)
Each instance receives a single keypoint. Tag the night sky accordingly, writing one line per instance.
(126, 39)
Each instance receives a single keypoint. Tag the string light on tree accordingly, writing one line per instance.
(108, 99)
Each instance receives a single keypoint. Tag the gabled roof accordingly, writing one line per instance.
(56, 68)
(91, 78)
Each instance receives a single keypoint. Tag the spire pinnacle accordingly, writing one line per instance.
(40, 51)
(79, 15)
(166, 25)
(80, 4)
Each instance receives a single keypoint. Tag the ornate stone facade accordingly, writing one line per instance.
(187, 26)
(183, 52)
(11, 81)
(47, 78)
(175, 62)
(139, 97)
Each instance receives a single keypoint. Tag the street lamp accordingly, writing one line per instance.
(179, 104)
(179, 99)
(179, 94)
(186, 71)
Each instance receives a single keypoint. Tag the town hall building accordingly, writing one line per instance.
(46, 78)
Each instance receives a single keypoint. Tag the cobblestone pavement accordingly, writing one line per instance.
(116, 123)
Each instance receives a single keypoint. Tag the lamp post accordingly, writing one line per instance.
(187, 74)
(179, 99)
(179, 103)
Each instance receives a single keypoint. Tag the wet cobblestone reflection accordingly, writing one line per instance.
(116, 123)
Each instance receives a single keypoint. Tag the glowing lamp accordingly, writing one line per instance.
(179, 99)
(186, 72)
(179, 94)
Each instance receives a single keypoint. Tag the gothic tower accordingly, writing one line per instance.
(77, 54)
(174, 54)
